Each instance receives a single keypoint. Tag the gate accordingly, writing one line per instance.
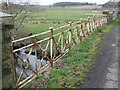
(33, 59)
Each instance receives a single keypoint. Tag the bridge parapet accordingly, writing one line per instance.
(111, 15)
(7, 26)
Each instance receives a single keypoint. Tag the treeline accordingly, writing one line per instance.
(12, 7)
(72, 4)
(111, 5)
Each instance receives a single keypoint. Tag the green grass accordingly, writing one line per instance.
(49, 15)
(78, 61)
(71, 70)
(59, 13)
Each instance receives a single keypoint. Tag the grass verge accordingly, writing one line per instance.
(71, 70)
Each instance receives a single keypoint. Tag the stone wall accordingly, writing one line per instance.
(0, 54)
(111, 16)
(7, 26)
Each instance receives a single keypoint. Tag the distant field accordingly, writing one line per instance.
(53, 16)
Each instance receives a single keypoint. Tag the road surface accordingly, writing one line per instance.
(105, 71)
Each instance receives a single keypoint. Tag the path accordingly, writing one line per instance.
(105, 72)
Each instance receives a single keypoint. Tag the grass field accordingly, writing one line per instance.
(53, 17)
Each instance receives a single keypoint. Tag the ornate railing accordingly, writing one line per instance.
(33, 59)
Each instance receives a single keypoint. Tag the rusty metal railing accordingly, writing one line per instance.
(35, 58)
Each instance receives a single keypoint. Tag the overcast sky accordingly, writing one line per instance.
(48, 2)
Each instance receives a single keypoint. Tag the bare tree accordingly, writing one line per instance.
(17, 9)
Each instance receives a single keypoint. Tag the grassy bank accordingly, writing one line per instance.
(72, 69)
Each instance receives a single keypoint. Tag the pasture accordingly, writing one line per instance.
(37, 22)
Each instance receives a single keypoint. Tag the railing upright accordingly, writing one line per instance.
(51, 46)
(94, 24)
(62, 40)
(81, 30)
(70, 35)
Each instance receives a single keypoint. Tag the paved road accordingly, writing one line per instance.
(105, 72)
(0, 59)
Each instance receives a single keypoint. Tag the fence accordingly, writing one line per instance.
(29, 61)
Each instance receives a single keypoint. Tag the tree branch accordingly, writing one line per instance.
(21, 21)
(17, 14)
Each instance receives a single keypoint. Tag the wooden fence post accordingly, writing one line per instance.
(51, 46)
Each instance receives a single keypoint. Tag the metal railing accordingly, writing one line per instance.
(31, 60)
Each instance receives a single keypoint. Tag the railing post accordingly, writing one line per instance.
(70, 35)
(88, 25)
(99, 22)
(94, 24)
(86, 29)
(51, 46)
(103, 20)
(62, 39)
(81, 27)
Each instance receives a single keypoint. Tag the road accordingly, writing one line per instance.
(0, 59)
(105, 71)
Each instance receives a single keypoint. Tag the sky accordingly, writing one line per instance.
(50, 2)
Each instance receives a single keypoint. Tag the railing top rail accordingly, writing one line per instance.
(30, 37)
(30, 45)
(38, 42)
